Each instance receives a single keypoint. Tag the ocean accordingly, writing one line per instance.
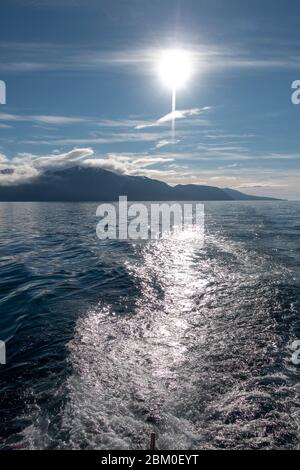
(109, 341)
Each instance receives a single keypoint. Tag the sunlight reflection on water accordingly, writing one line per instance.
(188, 341)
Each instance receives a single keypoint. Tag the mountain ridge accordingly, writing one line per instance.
(79, 184)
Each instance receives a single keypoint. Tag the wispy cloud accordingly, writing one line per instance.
(179, 114)
(116, 138)
(43, 119)
(30, 57)
(165, 143)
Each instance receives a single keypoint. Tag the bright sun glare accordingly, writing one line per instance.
(175, 68)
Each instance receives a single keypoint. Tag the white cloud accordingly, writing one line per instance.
(3, 158)
(25, 166)
(164, 143)
(114, 138)
(118, 123)
(57, 119)
(179, 114)
(43, 119)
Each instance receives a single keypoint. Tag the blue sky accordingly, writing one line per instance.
(83, 75)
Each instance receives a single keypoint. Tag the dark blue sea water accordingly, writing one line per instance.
(109, 341)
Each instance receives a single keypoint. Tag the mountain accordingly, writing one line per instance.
(96, 184)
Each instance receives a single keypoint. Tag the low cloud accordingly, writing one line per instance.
(3, 159)
(26, 166)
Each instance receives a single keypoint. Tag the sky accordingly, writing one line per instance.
(82, 88)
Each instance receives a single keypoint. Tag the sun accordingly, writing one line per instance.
(175, 68)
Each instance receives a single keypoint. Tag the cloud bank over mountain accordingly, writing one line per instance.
(79, 175)
(25, 166)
